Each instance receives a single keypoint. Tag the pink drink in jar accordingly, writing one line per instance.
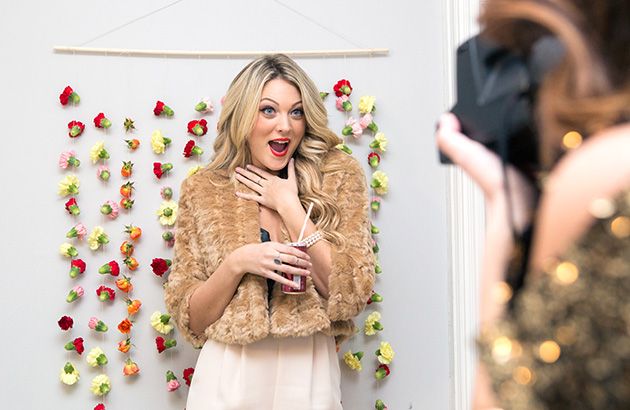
(298, 279)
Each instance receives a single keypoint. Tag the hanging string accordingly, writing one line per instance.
(245, 54)
(113, 30)
(318, 24)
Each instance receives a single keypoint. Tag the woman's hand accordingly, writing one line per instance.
(272, 191)
(269, 259)
(485, 169)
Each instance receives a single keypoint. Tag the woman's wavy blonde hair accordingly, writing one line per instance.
(590, 90)
(237, 120)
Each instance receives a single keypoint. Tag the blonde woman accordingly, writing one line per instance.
(274, 155)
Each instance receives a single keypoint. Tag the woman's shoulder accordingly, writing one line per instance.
(598, 170)
(604, 155)
(204, 179)
(336, 160)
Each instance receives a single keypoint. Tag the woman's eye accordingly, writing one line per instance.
(267, 110)
(298, 113)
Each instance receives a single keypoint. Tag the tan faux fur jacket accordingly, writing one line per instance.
(212, 222)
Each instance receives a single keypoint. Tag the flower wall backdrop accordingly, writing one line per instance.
(107, 265)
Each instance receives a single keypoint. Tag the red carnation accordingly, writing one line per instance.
(161, 108)
(72, 207)
(77, 266)
(110, 267)
(157, 169)
(100, 121)
(381, 372)
(342, 87)
(191, 149)
(65, 322)
(68, 95)
(99, 406)
(159, 342)
(160, 169)
(188, 375)
(104, 293)
(75, 128)
(63, 97)
(375, 297)
(162, 344)
(198, 127)
(76, 344)
(374, 159)
(160, 266)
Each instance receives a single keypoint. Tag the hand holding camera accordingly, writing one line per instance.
(496, 92)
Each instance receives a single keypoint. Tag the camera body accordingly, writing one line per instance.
(496, 91)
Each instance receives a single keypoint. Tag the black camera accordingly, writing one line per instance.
(496, 91)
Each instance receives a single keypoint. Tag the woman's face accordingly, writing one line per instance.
(279, 127)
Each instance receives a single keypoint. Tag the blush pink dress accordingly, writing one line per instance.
(271, 374)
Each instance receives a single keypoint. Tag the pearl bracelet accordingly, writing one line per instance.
(312, 239)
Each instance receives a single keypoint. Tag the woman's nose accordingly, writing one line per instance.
(284, 123)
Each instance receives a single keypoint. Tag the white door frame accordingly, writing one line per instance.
(466, 226)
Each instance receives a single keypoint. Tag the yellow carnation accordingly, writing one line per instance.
(69, 185)
(97, 238)
(372, 323)
(366, 104)
(69, 374)
(194, 170)
(353, 360)
(101, 385)
(161, 322)
(98, 152)
(379, 142)
(168, 213)
(157, 142)
(66, 249)
(380, 182)
(385, 353)
(96, 357)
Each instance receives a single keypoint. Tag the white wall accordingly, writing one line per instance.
(408, 85)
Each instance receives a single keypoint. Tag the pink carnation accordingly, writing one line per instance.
(77, 231)
(68, 158)
(354, 127)
(172, 385)
(103, 172)
(93, 322)
(115, 209)
(366, 120)
(343, 103)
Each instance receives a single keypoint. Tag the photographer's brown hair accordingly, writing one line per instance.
(590, 89)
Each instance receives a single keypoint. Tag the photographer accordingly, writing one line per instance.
(555, 330)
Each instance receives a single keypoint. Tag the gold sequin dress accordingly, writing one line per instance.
(566, 342)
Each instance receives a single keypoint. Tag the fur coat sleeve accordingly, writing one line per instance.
(352, 276)
(188, 271)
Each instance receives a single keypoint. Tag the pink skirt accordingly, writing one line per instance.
(271, 374)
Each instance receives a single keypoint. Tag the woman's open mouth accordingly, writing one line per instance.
(279, 147)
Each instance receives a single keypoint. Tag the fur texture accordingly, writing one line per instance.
(212, 222)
